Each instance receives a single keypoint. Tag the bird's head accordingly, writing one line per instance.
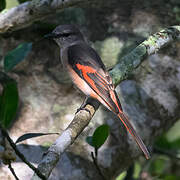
(65, 35)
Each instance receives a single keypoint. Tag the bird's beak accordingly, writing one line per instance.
(50, 36)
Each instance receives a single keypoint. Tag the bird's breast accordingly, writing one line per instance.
(79, 82)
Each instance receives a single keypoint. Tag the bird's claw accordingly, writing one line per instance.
(83, 108)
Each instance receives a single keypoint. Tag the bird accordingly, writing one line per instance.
(89, 74)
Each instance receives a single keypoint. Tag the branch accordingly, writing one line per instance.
(95, 159)
(19, 154)
(80, 121)
(150, 46)
(119, 73)
(26, 13)
(12, 171)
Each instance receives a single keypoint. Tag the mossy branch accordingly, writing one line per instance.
(150, 46)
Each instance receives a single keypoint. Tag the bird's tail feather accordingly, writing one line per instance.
(132, 131)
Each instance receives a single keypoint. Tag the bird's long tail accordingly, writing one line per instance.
(132, 131)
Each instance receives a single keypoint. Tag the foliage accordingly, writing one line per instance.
(8, 102)
(31, 135)
(99, 136)
(9, 97)
(16, 56)
(98, 139)
(2, 4)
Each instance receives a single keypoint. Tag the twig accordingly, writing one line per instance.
(97, 166)
(12, 171)
(20, 155)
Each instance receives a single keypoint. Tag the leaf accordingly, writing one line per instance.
(9, 102)
(2, 4)
(16, 56)
(31, 135)
(100, 135)
(89, 140)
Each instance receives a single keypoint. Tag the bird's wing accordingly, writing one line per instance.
(87, 64)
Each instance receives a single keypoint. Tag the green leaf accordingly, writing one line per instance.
(31, 135)
(16, 56)
(9, 102)
(89, 140)
(100, 135)
(2, 4)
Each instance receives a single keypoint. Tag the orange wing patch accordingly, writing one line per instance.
(85, 70)
(103, 83)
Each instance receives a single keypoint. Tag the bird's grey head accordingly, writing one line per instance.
(65, 35)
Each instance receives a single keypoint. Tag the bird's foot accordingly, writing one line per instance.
(83, 108)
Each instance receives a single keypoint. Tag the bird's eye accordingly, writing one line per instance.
(66, 34)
